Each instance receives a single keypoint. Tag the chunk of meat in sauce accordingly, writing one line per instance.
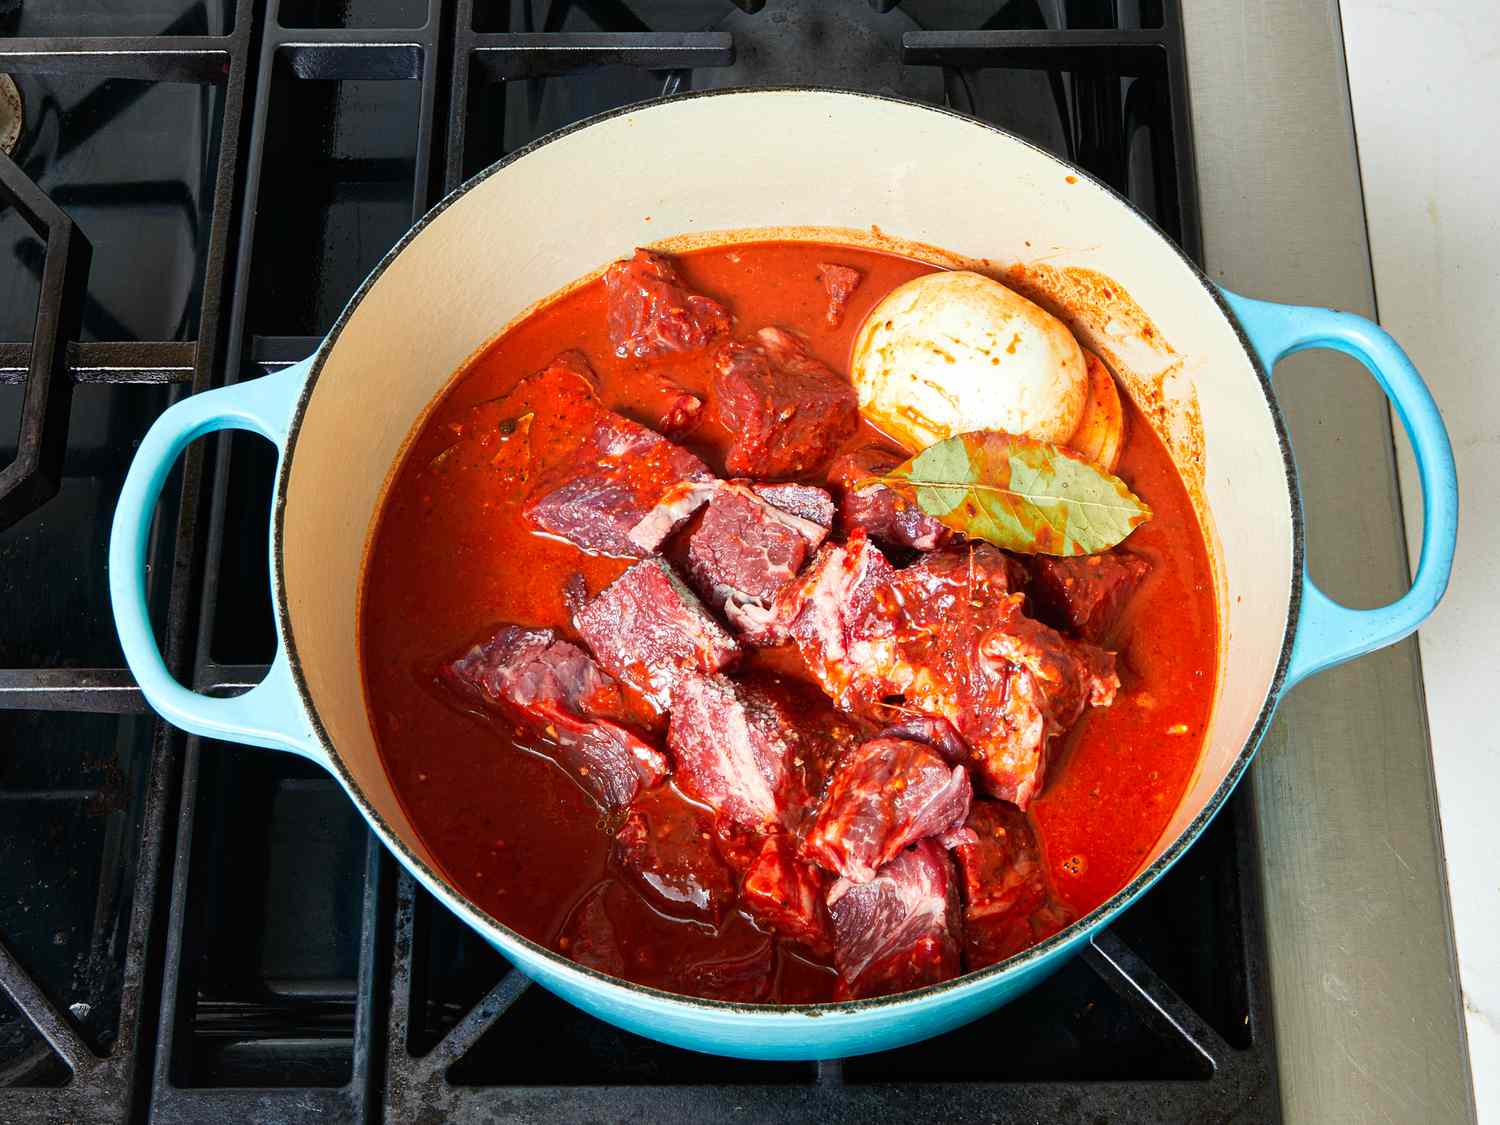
(785, 893)
(559, 692)
(839, 282)
(616, 477)
(651, 313)
(745, 549)
(946, 638)
(649, 631)
(900, 930)
(806, 501)
(882, 512)
(785, 410)
(734, 744)
(1088, 593)
(885, 794)
(1008, 900)
(823, 608)
(664, 848)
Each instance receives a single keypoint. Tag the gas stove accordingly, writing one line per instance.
(194, 931)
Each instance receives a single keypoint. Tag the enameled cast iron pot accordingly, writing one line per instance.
(730, 162)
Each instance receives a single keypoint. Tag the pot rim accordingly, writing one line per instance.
(1081, 929)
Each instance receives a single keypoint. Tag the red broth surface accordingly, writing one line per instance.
(451, 558)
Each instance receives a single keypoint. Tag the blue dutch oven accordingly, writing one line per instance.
(843, 167)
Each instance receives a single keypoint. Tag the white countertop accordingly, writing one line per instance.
(1425, 85)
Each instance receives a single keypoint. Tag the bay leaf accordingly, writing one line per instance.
(1028, 496)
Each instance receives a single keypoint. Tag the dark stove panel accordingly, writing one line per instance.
(195, 931)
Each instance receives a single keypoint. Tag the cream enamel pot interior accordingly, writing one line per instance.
(740, 161)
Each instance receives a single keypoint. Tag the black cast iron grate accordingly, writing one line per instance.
(244, 950)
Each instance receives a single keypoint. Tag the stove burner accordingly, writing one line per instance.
(844, 43)
(12, 115)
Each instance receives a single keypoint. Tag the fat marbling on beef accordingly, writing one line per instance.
(557, 690)
(746, 547)
(945, 638)
(651, 314)
(616, 475)
(649, 631)
(735, 746)
(885, 794)
(900, 930)
(786, 411)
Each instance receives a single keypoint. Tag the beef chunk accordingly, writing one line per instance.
(555, 689)
(882, 512)
(651, 314)
(946, 639)
(735, 745)
(785, 893)
(647, 629)
(670, 512)
(823, 609)
(745, 549)
(588, 934)
(839, 282)
(898, 931)
(1008, 900)
(614, 479)
(886, 794)
(803, 500)
(1088, 593)
(664, 849)
(787, 411)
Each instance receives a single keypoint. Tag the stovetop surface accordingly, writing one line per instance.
(192, 930)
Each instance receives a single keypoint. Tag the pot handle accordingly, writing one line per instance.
(269, 714)
(1329, 633)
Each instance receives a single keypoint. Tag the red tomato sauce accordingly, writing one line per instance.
(451, 557)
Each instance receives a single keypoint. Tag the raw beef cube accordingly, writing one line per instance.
(900, 930)
(1086, 593)
(786, 411)
(616, 477)
(822, 611)
(734, 745)
(556, 690)
(805, 500)
(883, 513)
(664, 848)
(947, 639)
(651, 314)
(588, 935)
(886, 794)
(785, 893)
(746, 549)
(839, 282)
(648, 630)
(1008, 901)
